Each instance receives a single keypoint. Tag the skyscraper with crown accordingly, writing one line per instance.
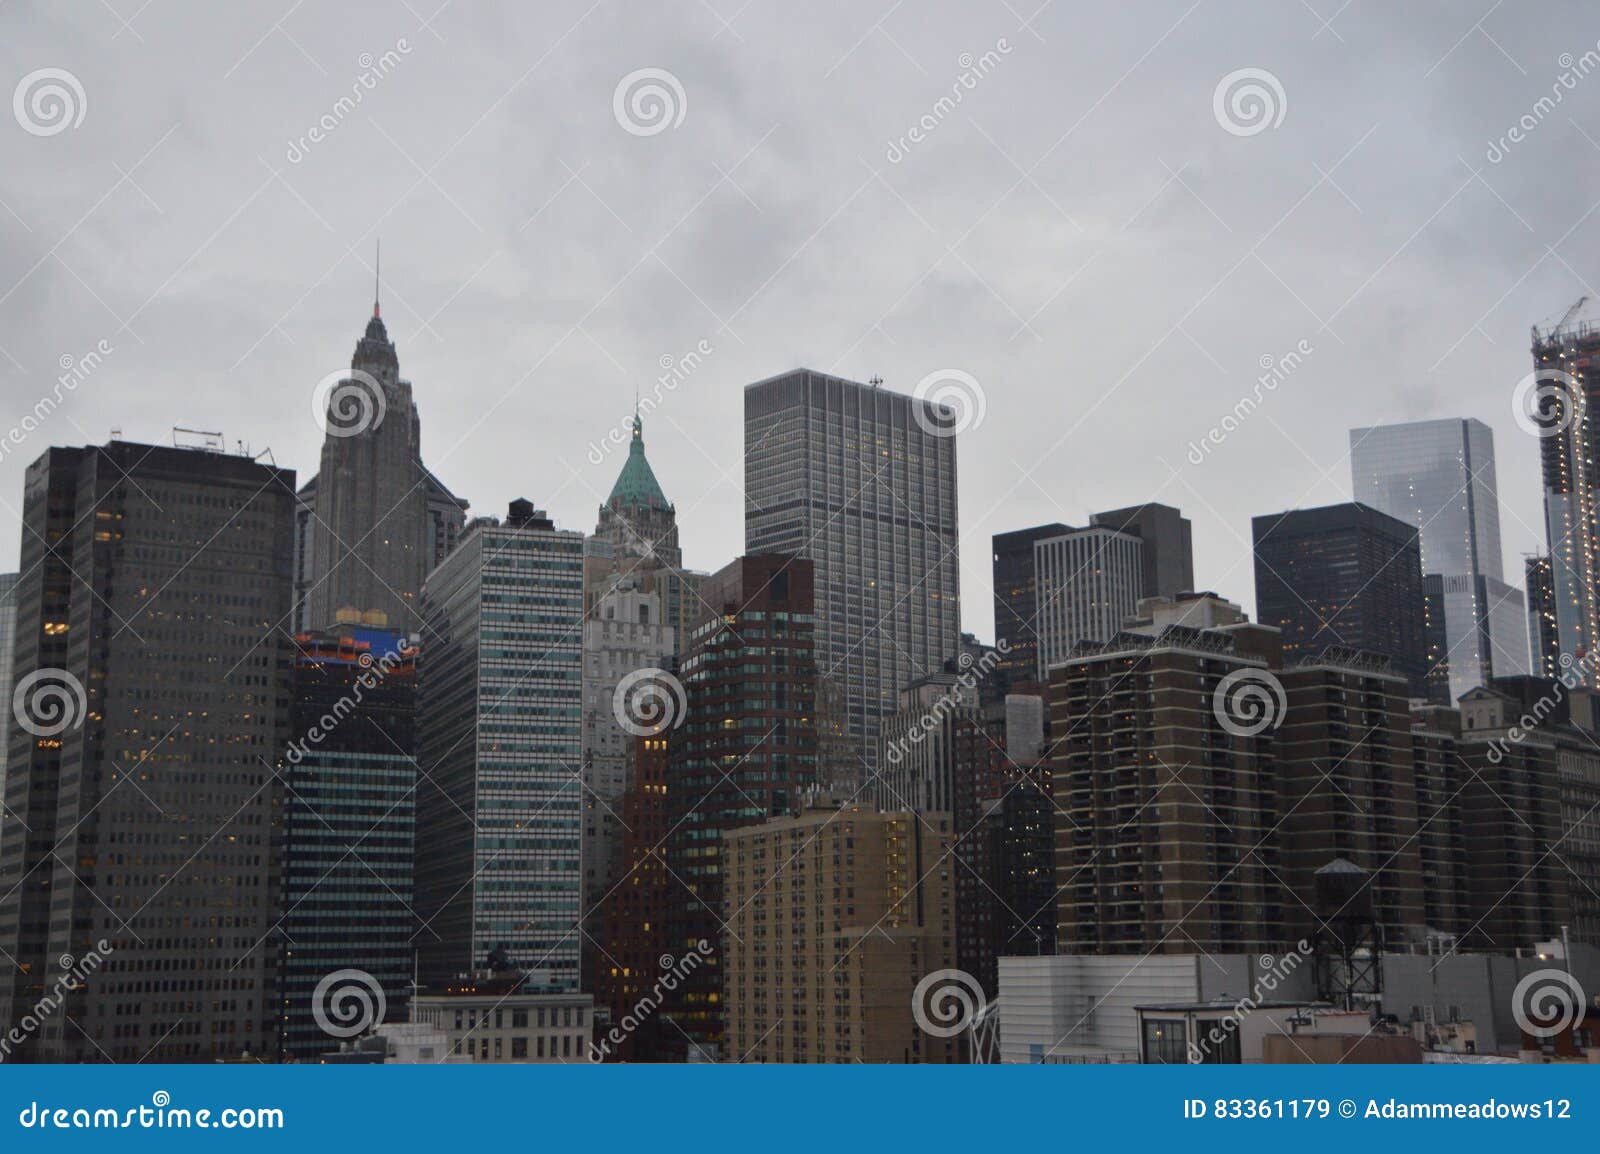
(374, 521)
(635, 543)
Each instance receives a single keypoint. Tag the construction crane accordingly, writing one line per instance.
(1572, 312)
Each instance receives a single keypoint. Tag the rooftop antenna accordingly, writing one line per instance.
(875, 380)
(377, 277)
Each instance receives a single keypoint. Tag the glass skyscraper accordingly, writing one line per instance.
(1440, 477)
(863, 482)
(1343, 577)
(500, 733)
(348, 822)
(142, 792)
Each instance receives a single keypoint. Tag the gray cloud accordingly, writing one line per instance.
(1114, 301)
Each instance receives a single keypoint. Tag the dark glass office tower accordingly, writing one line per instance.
(1544, 637)
(1016, 600)
(156, 583)
(745, 751)
(1084, 582)
(862, 481)
(1343, 575)
(349, 811)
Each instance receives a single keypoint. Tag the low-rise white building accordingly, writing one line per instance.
(502, 1019)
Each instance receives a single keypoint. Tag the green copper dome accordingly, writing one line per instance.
(636, 484)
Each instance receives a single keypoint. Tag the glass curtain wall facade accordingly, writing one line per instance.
(500, 803)
(1439, 476)
(862, 481)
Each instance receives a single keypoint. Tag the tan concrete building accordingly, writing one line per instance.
(834, 916)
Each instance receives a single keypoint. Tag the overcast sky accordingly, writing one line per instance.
(1082, 233)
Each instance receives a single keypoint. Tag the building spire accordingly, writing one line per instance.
(377, 280)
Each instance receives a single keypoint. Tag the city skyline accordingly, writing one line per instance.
(501, 358)
(844, 536)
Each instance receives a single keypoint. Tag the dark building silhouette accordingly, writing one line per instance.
(146, 792)
(1343, 575)
(1544, 638)
(632, 916)
(1004, 840)
(1016, 600)
(1530, 811)
(1440, 775)
(1346, 788)
(745, 751)
(374, 521)
(1168, 553)
(349, 822)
